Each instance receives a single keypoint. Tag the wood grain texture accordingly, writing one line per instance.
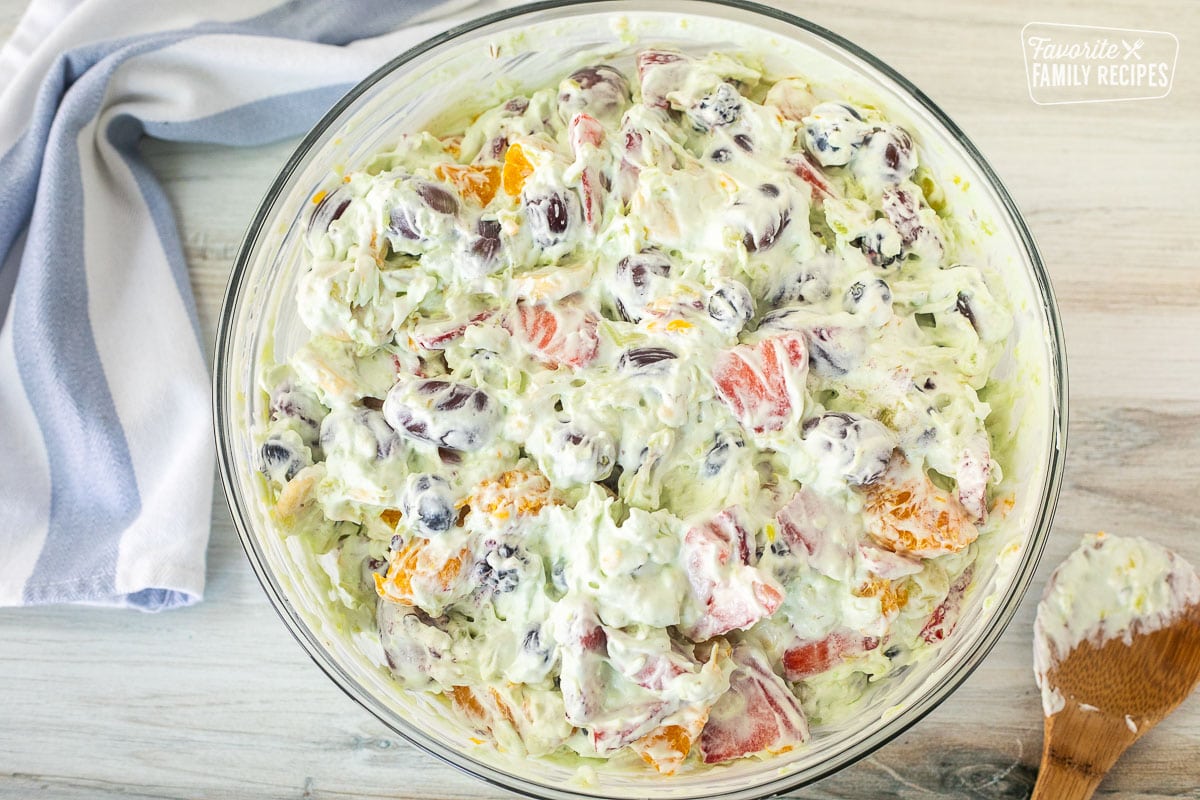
(217, 701)
(1113, 695)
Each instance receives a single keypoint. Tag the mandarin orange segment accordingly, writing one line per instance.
(417, 562)
(464, 699)
(391, 517)
(482, 711)
(517, 492)
(516, 170)
(892, 596)
(667, 747)
(477, 181)
(911, 516)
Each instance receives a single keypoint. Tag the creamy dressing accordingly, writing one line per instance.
(1110, 587)
(642, 416)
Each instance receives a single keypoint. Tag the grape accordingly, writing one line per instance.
(577, 457)
(901, 207)
(402, 222)
(962, 305)
(452, 415)
(767, 237)
(428, 503)
(279, 461)
(550, 216)
(889, 153)
(718, 455)
(634, 274)
(880, 243)
(600, 91)
(645, 359)
(300, 406)
(437, 198)
(856, 447)
(762, 216)
(833, 133)
(722, 107)
(731, 305)
(871, 297)
(340, 429)
(328, 211)
(805, 286)
(407, 218)
(500, 570)
(487, 245)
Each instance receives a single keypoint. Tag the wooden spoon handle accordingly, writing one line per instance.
(1059, 780)
(1079, 749)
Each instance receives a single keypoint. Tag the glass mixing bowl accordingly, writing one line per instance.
(453, 75)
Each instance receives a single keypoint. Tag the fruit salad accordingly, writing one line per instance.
(641, 417)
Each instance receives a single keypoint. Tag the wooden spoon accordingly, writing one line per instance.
(1114, 694)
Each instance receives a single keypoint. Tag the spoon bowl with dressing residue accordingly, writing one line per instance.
(1116, 649)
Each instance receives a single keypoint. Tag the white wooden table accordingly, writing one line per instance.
(219, 701)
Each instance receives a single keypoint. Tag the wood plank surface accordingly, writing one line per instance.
(217, 701)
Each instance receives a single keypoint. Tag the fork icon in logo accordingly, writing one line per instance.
(1132, 49)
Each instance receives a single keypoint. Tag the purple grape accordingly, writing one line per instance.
(437, 198)
(874, 291)
(429, 504)
(446, 414)
(717, 457)
(833, 134)
(962, 305)
(731, 305)
(858, 445)
(873, 244)
(719, 108)
(291, 403)
(279, 461)
(550, 216)
(334, 430)
(600, 91)
(402, 222)
(487, 245)
(889, 153)
(804, 286)
(634, 274)
(645, 359)
(769, 235)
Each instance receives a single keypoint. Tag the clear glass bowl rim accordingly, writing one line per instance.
(460, 760)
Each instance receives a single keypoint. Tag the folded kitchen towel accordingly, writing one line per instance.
(107, 450)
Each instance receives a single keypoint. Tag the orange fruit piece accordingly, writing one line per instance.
(391, 516)
(892, 596)
(483, 711)
(907, 514)
(517, 492)
(667, 747)
(477, 181)
(516, 170)
(417, 563)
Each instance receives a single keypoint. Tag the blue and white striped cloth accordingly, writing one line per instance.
(106, 449)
